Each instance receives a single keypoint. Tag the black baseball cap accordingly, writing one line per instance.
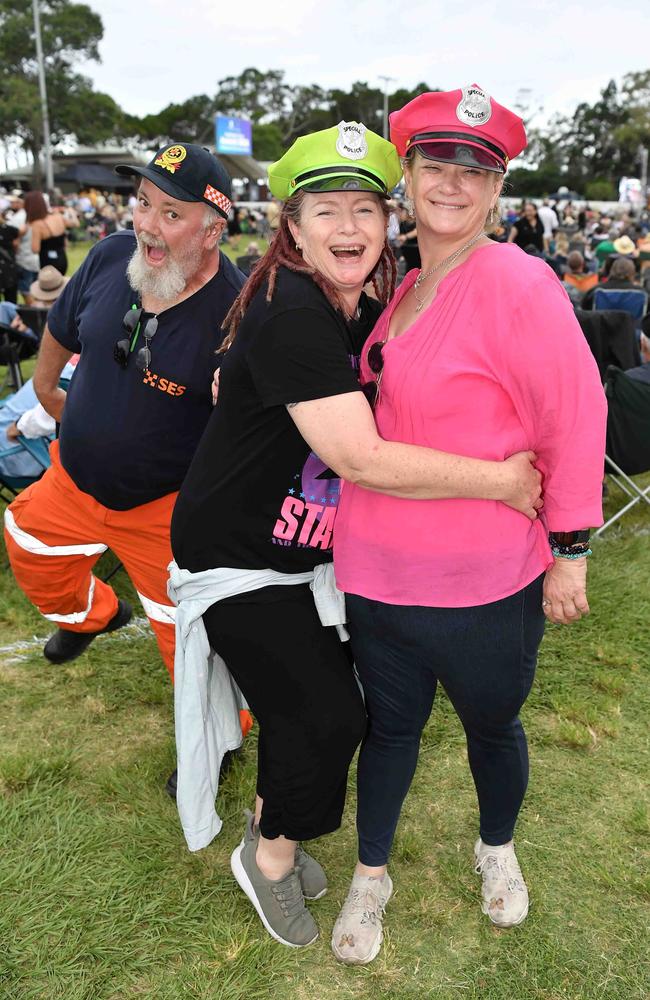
(187, 172)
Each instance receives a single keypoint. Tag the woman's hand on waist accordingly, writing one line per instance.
(565, 591)
(522, 489)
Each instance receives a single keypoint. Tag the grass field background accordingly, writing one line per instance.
(100, 899)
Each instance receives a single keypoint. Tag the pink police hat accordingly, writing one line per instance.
(463, 126)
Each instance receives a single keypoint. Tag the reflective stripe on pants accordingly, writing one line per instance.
(55, 533)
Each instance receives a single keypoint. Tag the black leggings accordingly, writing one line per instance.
(485, 659)
(297, 677)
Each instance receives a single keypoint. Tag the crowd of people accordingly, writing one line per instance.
(369, 453)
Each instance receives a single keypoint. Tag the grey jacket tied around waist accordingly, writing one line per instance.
(207, 700)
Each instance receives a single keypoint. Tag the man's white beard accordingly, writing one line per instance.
(169, 281)
(165, 283)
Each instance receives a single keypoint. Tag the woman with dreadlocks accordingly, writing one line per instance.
(252, 528)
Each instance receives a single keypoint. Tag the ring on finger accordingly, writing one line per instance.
(545, 603)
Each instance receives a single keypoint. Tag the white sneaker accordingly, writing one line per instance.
(505, 896)
(357, 934)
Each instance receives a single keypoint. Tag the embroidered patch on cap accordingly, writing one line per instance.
(217, 198)
(352, 142)
(475, 107)
(171, 158)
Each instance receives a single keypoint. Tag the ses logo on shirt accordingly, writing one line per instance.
(164, 384)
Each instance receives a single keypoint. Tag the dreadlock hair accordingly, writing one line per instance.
(283, 253)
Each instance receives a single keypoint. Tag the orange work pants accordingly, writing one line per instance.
(55, 534)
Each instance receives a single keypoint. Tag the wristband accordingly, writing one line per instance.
(568, 538)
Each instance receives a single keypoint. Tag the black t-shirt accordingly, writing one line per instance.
(127, 436)
(255, 496)
(527, 234)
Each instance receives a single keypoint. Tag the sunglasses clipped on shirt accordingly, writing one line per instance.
(123, 348)
(375, 358)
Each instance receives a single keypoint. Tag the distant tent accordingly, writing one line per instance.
(93, 175)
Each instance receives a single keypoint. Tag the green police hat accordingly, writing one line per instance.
(347, 157)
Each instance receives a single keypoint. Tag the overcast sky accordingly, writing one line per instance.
(155, 52)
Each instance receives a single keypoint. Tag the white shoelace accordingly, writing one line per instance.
(495, 866)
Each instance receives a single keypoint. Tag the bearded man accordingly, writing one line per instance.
(144, 311)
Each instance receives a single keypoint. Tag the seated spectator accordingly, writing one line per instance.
(622, 275)
(577, 281)
(42, 292)
(625, 247)
(22, 414)
(246, 261)
(606, 247)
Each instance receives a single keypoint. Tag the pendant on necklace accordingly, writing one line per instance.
(420, 307)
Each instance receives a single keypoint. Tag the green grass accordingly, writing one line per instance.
(100, 900)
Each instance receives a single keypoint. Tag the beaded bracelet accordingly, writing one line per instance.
(570, 555)
(568, 550)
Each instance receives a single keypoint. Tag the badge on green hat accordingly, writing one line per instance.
(347, 157)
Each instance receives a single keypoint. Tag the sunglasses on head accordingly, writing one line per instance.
(123, 348)
(375, 358)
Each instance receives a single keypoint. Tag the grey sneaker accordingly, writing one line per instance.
(505, 896)
(312, 877)
(279, 903)
(357, 934)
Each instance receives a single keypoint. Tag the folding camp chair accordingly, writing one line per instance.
(628, 438)
(631, 300)
(9, 357)
(611, 338)
(38, 449)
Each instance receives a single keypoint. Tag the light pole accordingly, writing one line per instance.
(643, 160)
(49, 174)
(387, 80)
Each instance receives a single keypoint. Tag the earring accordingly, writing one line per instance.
(298, 247)
(409, 206)
(493, 216)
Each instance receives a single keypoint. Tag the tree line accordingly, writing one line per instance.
(587, 151)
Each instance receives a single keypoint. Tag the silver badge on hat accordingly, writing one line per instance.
(352, 142)
(475, 107)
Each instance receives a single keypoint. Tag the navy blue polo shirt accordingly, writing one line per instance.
(127, 436)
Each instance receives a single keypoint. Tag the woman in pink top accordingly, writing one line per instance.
(479, 354)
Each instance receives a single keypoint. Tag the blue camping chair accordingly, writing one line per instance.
(630, 300)
(38, 448)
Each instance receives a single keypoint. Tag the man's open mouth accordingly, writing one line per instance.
(154, 255)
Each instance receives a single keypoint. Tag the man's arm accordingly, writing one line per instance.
(52, 359)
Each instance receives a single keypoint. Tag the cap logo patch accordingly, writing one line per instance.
(171, 158)
(352, 142)
(217, 198)
(475, 107)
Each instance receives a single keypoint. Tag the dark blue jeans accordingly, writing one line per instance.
(485, 659)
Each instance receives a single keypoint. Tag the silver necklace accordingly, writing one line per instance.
(447, 262)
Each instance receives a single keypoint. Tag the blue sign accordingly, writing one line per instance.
(234, 135)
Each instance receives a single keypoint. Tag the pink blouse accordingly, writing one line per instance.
(495, 365)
